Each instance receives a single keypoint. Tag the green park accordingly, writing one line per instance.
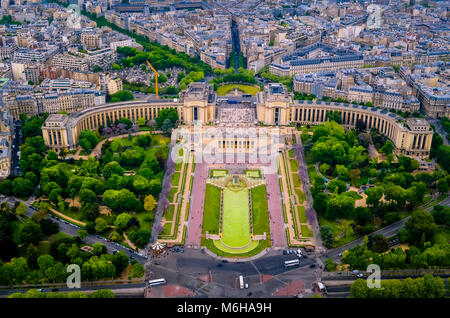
(236, 217)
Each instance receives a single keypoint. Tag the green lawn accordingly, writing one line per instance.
(216, 173)
(336, 231)
(236, 220)
(301, 195)
(260, 211)
(301, 214)
(173, 190)
(296, 180)
(73, 213)
(306, 232)
(256, 250)
(247, 89)
(220, 246)
(169, 214)
(175, 179)
(291, 153)
(294, 165)
(167, 228)
(252, 173)
(211, 211)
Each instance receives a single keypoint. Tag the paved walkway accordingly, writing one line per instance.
(194, 231)
(63, 216)
(293, 174)
(130, 243)
(290, 225)
(310, 212)
(277, 232)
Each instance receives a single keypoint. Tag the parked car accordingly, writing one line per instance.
(312, 265)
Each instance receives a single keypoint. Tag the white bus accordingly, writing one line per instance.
(156, 282)
(241, 282)
(293, 262)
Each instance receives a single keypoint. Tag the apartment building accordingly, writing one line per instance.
(69, 62)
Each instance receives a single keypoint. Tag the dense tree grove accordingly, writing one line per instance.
(390, 187)
(161, 57)
(360, 257)
(166, 120)
(427, 286)
(24, 261)
(31, 126)
(34, 293)
(88, 140)
(127, 173)
(121, 96)
(229, 76)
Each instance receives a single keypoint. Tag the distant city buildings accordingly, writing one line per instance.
(381, 87)
(431, 85)
(317, 57)
(52, 63)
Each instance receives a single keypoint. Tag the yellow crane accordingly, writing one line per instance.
(156, 78)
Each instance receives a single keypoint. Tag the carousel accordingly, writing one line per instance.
(158, 248)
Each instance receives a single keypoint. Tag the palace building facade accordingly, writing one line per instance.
(274, 107)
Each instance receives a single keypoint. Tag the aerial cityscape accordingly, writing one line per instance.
(224, 149)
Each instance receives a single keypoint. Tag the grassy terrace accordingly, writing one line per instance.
(260, 210)
(301, 213)
(235, 237)
(252, 173)
(211, 212)
(251, 251)
(297, 211)
(173, 216)
(218, 173)
(236, 222)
